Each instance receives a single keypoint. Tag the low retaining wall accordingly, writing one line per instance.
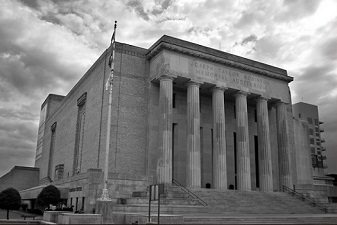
(74, 218)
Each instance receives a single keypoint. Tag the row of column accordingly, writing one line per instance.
(164, 166)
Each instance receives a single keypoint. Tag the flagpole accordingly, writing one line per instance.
(105, 192)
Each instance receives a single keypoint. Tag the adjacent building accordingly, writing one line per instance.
(309, 113)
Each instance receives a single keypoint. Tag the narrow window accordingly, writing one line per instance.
(212, 149)
(51, 152)
(83, 200)
(235, 158)
(79, 134)
(174, 100)
(174, 133)
(256, 145)
(76, 204)
(255, 115)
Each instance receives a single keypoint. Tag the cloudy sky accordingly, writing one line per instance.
(46, 46)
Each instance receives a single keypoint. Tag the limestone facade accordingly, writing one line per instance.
(179, 111)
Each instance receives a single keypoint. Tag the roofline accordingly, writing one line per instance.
(188, 48)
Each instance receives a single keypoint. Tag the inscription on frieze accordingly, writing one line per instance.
(230, 78)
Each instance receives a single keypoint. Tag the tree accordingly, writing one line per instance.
(49, 195)
(10, 199)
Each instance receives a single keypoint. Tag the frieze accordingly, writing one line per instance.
(229, 77)
(217, 60)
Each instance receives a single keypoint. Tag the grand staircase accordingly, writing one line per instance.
(210, 206)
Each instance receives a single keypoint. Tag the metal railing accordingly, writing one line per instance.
(190, 193)
(304, 198)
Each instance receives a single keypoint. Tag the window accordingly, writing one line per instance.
(79, 134)
(255, 115)
(309, 120)
(312, 141)
(311, 131)
(316, 122)
(174, 100)
(318, 143)
(51, 152)
(316, 129)
(299, 115)
(83, 200)
(59, 169)
(312, 150)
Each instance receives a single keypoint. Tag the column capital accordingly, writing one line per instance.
(242, 93)
(217, 88)
(261, 98)
(165, 77)
(280, 103)
(190, 83)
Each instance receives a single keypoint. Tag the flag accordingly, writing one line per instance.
(112, 44)
(111, 58)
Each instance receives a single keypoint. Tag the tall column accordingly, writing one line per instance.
(283, 147)
(193, 136)
(265, 168)
(219, 139)
(242, 140)
(164, 164)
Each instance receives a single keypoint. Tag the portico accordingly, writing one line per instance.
(214, 148)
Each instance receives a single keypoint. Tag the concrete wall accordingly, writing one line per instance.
(88, 186)
(20, 178)
(303, 155)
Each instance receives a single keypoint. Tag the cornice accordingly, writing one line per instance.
(161, 46)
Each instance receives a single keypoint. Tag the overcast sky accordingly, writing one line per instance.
(46, 46)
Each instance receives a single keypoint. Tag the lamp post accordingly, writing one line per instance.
(105, 193)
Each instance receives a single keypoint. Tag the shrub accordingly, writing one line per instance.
(10, 199)
(24, 206)
(49, 195)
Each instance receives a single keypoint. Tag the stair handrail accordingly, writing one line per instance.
(190, 193)
(305, 198)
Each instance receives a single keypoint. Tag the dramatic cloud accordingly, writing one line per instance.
(47, 45)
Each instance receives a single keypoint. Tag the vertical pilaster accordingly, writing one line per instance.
(283, 147)
(219, 139)
(193, 136)
(265, 167)
(243, 157)
(164, 164)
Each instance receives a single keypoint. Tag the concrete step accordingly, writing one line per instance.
(164, 201)
(262, 219)
(254, 202)
(165, 209)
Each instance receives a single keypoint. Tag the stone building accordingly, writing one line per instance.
(309, 113)
(182, 111)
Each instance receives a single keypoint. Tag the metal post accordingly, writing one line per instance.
(149, 220)
(158, 205)
(105, 193)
